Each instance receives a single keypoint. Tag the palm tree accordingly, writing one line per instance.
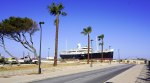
(87, 31)
(56, 10)
(101, 38)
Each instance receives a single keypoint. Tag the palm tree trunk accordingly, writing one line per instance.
(56, 40)
(102, 50)
(88, 57)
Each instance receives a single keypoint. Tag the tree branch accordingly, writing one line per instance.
(24, 45)
(31, 39)
(24, 37)
(4, 47)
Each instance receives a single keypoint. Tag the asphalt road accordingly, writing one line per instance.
(95, 76)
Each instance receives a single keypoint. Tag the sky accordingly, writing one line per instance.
(124, 23)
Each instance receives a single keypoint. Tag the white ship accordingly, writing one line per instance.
(81, 53)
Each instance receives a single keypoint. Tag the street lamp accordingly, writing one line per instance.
(109, 47)
(119, 55)
(48, 53)
(40, 23)
(91, 54)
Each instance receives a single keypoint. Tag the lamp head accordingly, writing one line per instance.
(41, 22)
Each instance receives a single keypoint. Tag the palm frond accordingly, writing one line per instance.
(85, 30)
(64, 14)
(100, 44)
(100, 37)
(83, 33)
(55, 9)
(55, 22)
(60, 6)
(89, 29)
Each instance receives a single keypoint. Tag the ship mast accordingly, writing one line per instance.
(66, 46)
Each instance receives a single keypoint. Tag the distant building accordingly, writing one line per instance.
(50, 58)
(134, 61)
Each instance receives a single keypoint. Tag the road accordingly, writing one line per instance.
(95, 76)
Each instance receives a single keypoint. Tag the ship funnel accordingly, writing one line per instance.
(79, 46)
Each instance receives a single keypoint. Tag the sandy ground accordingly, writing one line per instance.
(55, 72)
(129, 76)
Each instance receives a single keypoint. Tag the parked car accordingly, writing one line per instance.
(11, 61)
(28, 60)
(21, 60)
(35, 61)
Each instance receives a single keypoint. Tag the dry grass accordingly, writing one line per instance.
(15, 67)
(33, 66)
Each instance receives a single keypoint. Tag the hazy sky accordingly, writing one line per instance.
(125, 24)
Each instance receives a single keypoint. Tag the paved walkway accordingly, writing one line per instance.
(129, 76)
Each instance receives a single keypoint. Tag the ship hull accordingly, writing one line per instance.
(106, 56)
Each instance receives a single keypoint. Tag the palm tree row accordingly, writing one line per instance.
(56, 10)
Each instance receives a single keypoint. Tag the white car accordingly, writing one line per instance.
(35, 61)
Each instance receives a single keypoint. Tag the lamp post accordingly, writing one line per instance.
(91, 54)
(110, 57)
(40, 23)
(48, 53)
(119, 55)
(109, 47)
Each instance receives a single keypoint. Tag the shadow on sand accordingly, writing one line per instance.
(145, 75)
